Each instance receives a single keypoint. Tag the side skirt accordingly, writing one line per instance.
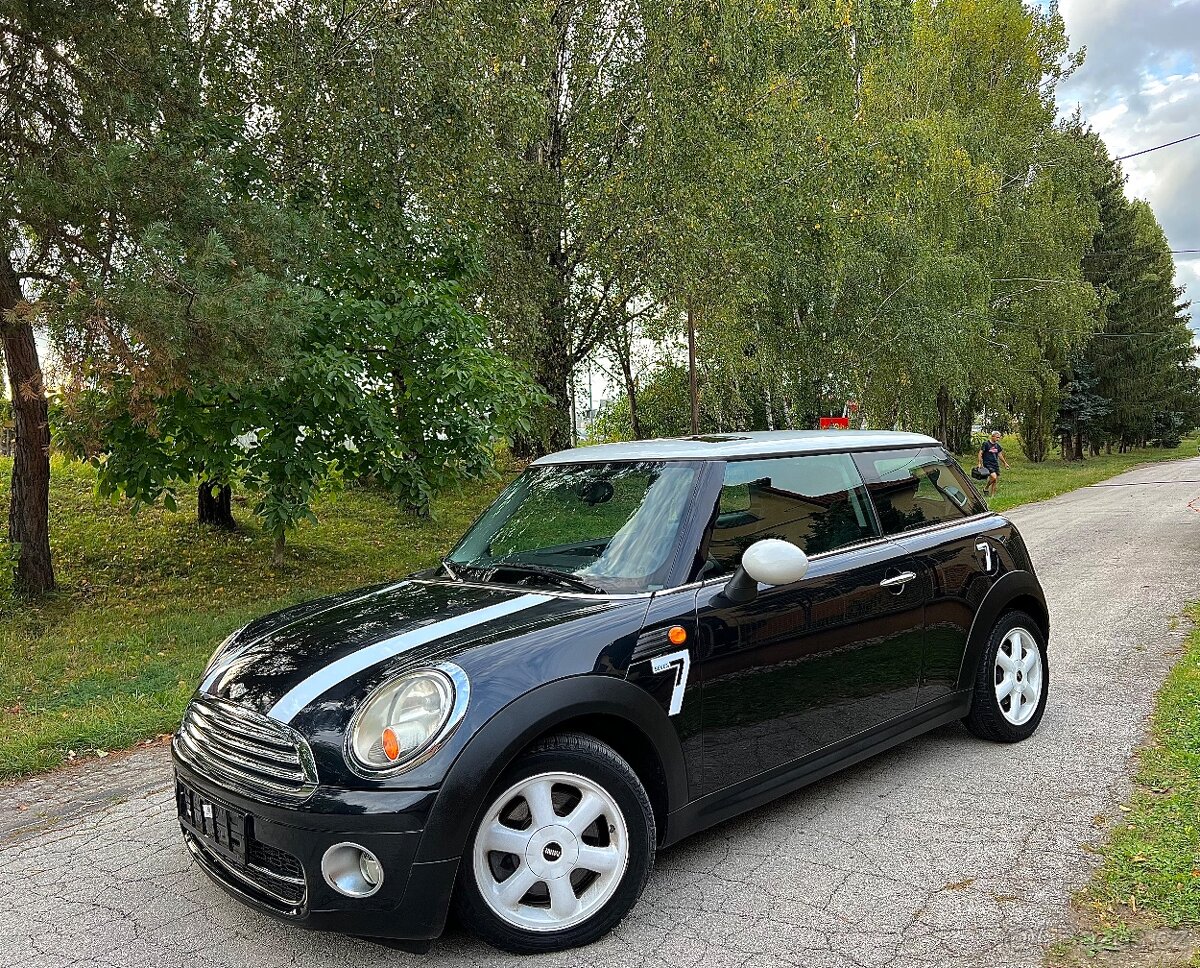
(724, 804)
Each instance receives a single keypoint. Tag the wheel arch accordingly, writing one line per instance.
(635, 747)
(1014, 591)
(1033, 607)
(613, 710)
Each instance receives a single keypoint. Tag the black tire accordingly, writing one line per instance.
(987, 718)
(585, 756)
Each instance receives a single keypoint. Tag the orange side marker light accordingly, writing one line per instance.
(677, 635)
(391, 745)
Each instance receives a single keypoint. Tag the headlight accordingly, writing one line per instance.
(405, 721)
(222, 647)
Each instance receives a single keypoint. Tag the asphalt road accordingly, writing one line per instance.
(945, 851)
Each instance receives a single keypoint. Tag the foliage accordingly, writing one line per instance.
(1143, 356)
(237, 283)
(663, 407)
(839, 233)
(138, 220)
(1080, 407)
(395, 383)
(281, 247)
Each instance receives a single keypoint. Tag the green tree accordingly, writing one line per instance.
(395, 383)
(1142, 355)
(131, 238)
(664, 409)
(1080, 407)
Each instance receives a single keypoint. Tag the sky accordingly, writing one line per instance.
(1139, 86)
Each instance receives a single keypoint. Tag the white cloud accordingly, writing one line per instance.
(1140, 87)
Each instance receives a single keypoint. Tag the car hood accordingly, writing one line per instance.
(285, 662)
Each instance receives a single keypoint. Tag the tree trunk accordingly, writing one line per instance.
(954, 422)
(29, 510)
(961, 425)
(554, 376)
(693, 382)
(624, 357)
(941, 430)
(545, 234)
(1078, 445)
(277, 558)
(214, 505)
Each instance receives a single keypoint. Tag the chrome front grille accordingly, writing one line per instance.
(246, 750)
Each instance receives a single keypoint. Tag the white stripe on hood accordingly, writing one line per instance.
(320, 682)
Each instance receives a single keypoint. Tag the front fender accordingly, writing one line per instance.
(515, 727)
(1015, 589)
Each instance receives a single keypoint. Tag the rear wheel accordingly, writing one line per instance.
(562, 850)
(1011, 683)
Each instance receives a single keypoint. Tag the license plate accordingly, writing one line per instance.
(221, 828)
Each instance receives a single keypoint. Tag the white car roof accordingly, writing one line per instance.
(734, 445)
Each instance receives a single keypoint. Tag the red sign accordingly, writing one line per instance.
(835, 423)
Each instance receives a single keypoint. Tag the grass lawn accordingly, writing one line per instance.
(1024, 482)
(1146, 894)
(112, 658)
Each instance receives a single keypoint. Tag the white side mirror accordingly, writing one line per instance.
(775, 562)
(770, 561)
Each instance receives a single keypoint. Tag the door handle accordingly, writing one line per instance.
(898, 581)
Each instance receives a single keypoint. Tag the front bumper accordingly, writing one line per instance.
(282, 873)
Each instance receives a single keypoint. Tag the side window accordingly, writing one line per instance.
(816, 502)
(959, 488)
(916, 488)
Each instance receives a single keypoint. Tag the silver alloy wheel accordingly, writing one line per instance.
(1018, 676)
(550, 852)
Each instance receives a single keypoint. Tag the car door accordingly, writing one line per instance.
(806, 665)
(927, 506)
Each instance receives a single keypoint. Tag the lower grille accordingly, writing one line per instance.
(275, 863)
(275, 871)
(274, 875)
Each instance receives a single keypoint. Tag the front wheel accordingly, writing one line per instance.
(562, 850)
(1011, 682)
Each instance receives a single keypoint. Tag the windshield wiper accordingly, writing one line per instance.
(445, 563)
(563, 578)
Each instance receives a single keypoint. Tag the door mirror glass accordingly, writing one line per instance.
(775, 562)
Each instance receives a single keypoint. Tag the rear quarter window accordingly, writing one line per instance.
(916, 488)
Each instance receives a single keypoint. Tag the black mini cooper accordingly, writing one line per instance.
(633, 643)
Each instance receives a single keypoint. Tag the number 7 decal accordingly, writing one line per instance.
(681, 662)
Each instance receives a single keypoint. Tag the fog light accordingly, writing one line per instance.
(352, 870)
(369, 868)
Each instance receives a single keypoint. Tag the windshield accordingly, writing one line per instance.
(594, 527)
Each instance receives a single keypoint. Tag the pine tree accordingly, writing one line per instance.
(1080, 407)
(1141, 353)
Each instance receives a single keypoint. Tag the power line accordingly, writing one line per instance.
(1146, 151)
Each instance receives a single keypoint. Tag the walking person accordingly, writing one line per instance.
(990, 456)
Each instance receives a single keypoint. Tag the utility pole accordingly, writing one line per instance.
(692, 383)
